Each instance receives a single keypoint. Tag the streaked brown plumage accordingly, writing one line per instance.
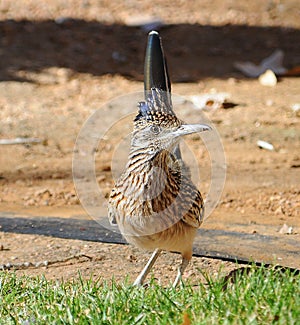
(155, 203)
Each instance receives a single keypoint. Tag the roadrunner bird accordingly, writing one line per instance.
(154, 202)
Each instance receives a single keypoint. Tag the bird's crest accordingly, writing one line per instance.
(157, 107)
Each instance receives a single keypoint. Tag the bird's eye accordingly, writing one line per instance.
(155, 129)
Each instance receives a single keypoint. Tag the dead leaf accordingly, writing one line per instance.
(186, 319)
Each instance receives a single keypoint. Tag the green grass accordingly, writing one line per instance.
(260, 296)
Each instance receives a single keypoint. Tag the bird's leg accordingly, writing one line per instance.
(181, 269)
(142, 276)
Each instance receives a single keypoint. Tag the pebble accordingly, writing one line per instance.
(286, 230)
(269, 102)
(268, 78)
(265, 145)
(295, 107)
(131, 258)
(39, 264)
(232, 81)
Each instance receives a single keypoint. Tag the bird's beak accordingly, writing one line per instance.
(185, 129)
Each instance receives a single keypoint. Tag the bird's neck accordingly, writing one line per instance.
(139, 160)
(152, 177)
(144, 161)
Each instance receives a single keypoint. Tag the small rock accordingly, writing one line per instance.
(39, 264)
(232, 81)
(286, 230)
(265, 145)
(7, 266)
(268, 79)
(295, 107)
(131, 258)
(269, 102)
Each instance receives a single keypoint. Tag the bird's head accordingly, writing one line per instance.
(157, 128)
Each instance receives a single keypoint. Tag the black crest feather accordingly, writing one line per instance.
(157, 84)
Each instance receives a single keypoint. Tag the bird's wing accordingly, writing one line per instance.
(195, 214)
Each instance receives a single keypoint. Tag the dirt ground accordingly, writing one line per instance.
(62, 60)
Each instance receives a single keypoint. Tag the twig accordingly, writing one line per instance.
(28, 265)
